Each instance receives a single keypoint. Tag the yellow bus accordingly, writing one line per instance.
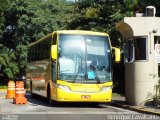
(72, 66)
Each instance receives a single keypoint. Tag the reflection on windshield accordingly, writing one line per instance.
(84, 58)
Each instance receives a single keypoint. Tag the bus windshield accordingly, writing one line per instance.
(84, 58)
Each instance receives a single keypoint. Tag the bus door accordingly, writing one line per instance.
(53, 66)
(53, 72)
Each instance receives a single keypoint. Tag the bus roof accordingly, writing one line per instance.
(83, 32)
(40, 39)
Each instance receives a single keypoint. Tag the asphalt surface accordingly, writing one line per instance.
(38, 109)
(40, 104)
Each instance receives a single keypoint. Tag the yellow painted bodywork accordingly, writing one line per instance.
(117, 54)
(78, 90)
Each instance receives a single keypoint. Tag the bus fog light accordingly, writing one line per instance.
(107, 88)
(63, 87)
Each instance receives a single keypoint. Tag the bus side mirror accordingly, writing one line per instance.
(117, 54)
(54, 52)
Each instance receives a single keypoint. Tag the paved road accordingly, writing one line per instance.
(39, 109)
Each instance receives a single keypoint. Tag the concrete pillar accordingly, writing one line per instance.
(141, 68)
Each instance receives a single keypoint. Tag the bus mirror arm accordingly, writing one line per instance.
(54, 52)
(117, 54)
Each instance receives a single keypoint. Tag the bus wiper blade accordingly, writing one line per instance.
(97, 78)
(79, 76)
(75, 77)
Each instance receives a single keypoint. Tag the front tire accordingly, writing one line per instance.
(31, 90)
(49, 96)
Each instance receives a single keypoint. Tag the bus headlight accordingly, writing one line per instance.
(64, 87)
(106, 88)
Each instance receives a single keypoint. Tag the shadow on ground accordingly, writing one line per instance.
(39, 100)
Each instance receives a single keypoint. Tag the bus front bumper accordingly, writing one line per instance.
(70, 96)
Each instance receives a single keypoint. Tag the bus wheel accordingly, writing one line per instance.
(31, 90)
(49, 96)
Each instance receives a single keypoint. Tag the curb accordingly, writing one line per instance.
(135, 108)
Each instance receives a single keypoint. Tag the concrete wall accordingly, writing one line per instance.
(141, 76)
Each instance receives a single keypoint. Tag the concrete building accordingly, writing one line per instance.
(142, 56)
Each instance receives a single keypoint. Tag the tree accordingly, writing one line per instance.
(21, 57)
(130, 7)
(26, 22)
(7, 61)
(97, 16)
(3, 5)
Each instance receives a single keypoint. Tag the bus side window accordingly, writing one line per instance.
(40, 51)
(33, 53)
(43, 49)
(29, 55)
(36, 47)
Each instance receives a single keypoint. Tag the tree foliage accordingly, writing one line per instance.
(26, 22)
(8, 63)
(98, 16)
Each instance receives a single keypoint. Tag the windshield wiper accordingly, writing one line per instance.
(75, 77)
(95, 72)
(78, 76)
(97, 78)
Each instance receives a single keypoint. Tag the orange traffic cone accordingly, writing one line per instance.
(10, 90)
(19, 96)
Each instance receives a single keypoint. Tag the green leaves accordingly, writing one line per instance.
(25, 22)
(92, 12)
(9, 67)
(21, 57)
(131, 3)
(11, 71)
(98, 16)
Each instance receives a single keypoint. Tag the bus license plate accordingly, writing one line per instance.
(85, 96)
